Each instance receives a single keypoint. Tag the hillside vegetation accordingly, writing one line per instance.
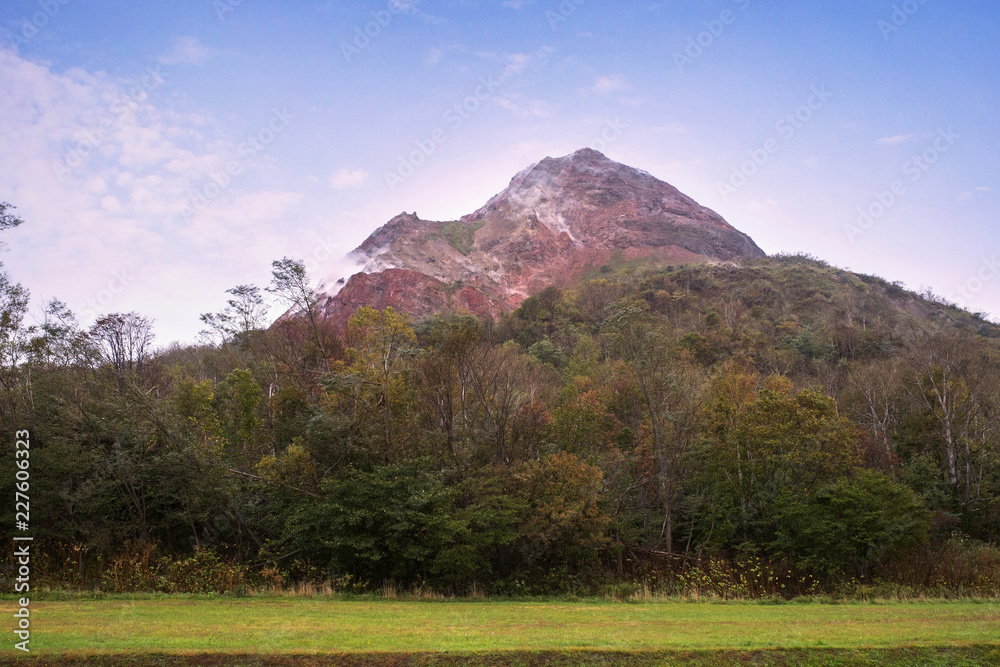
(777, 429)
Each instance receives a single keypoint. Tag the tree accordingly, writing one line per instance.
(855, 521)
(8, 220)
(391, 523)
(58, 340)
(671, 395)
(504, 387)
(770, 448)
(236, 402)
(879, 385)
(566, 521)
(244, 314)
(378, 339)
(124, 342)
(290, 282)
(956, 381)
(14, 299)
(582, 424)
(445, 375)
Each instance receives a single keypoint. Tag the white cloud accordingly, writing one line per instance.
(226, 226)
(896, 140)
(524, 107)
(348, 179)
(433, 56)
(103, 178)
(112, 205)
(968, 194)
(188, 51)
(515, 63)
(768, 203)
(404, 5)
(531, 148)
(671, 128)
(516, 4)
(606, 85)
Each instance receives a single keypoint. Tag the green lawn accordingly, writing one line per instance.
(302, 626)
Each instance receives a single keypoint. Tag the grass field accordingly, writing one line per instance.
(302, 631)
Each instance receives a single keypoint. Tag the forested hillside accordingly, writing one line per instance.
(776, 428)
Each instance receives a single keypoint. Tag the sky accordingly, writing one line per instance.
(162, 153)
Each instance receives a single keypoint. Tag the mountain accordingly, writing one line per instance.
(556, 220)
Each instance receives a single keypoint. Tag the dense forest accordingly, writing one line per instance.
(777, 428)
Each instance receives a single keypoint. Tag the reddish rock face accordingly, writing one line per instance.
(408, 291)
(555, 220)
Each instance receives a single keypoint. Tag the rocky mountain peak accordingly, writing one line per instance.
(554, 221)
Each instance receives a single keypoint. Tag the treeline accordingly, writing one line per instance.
(777, 428)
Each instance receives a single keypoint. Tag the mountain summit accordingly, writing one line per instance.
(557, 219)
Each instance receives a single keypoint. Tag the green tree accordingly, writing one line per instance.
(14, 299)
(581, 423)
(770, 448)
(375, 380)
(854, 522)
(391, 523)
(237, 401)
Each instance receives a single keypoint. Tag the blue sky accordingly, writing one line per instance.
(161, 154)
